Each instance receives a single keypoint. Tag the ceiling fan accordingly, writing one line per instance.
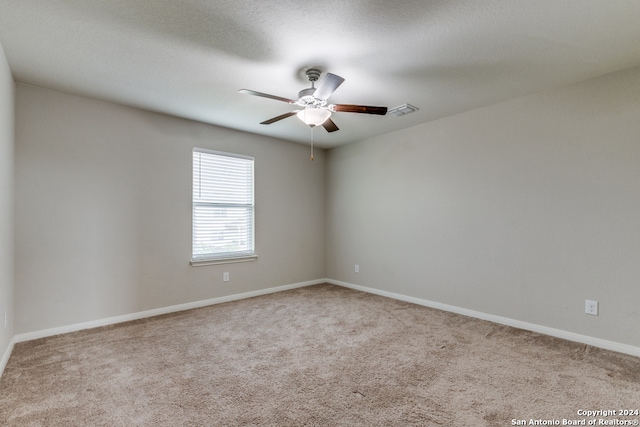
(315, 111)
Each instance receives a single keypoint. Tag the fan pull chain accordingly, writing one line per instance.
(312, 143)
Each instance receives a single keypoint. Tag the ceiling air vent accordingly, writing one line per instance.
(401, 110)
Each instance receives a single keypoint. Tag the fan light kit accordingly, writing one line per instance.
(315, 111)
(313, 116)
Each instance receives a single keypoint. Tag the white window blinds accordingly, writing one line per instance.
(223, 210)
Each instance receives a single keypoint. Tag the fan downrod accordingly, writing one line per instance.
(305, 96)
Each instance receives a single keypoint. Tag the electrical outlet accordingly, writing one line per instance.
(591, 307)
(225, 276)
(357, 269)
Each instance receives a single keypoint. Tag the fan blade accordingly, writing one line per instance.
(327, 86)
(329, 125)
(346, 108)
(280, 117)
(266, 95)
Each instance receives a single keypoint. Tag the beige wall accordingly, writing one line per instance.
(103, 211)
(522, 209)
(7, 90)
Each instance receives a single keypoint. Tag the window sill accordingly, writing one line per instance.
(225, 260)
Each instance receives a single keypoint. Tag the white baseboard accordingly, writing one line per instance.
(558, 333)
(6, 355)
(155, 312)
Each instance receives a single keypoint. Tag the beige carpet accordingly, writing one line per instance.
(317, 356)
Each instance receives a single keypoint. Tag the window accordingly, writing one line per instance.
(223, 210)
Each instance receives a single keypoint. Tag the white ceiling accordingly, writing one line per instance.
(188, 58)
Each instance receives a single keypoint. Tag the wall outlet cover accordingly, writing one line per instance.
(591, 307)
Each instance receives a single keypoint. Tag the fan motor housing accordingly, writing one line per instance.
(306, 93)
(306, 98)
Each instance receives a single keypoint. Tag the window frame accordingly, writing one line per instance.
(222, 257)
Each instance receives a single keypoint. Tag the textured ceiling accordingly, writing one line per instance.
(188, 58)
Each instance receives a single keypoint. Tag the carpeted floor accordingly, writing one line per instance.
(317, 356)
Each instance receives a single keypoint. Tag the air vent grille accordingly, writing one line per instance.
(402, 110)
